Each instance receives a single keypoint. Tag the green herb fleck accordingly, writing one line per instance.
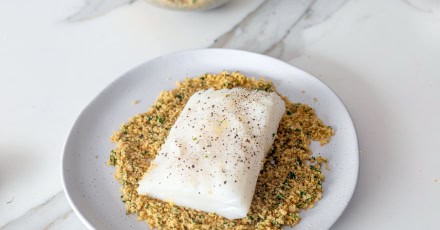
(179, 96)
(112, 160)
(294, 216)
(280, 196)
(194, 138)
(292, 175)
(159, 119)
(314, 169)
(289, 112)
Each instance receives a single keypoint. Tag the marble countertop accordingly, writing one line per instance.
(381, 57)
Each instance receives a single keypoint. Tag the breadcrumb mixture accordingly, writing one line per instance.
(290, 181)
(186, 4)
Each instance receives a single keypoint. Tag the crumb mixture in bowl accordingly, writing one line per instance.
(290, 181)
(188, 5)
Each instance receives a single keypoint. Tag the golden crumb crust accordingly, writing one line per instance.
(290, 181)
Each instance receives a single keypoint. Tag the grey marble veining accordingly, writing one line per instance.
(264, 27)
(55, 213)
(292, 43)
(275, 27)
(422, 6)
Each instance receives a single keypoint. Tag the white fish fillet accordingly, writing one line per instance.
(213, 154)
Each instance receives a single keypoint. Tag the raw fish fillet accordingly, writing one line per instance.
(214, 152)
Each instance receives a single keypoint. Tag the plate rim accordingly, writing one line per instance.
(84, 219)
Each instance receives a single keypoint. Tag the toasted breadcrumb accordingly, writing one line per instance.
(290, 181)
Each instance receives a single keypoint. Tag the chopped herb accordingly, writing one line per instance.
(251, 218)
(297, 130)
(179, 96)
(314, 169)
(289, 112)
(281, 196)
(112, 160)
(294, 216)
(194, 138)
(193, 2)
(292, 175)
(159, 119)
(302, 194)
(201, 78)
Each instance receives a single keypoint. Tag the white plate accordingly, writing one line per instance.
(88, 182)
